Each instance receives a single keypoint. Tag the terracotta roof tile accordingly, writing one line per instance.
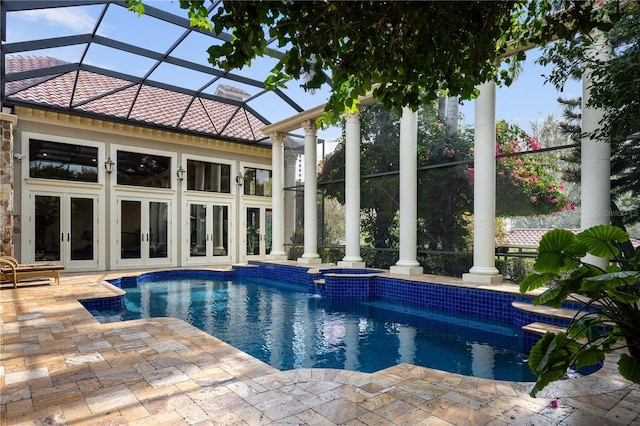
(530, 237)
(112, 97)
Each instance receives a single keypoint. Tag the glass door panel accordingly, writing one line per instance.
(220, 235)
(268, 231)
(158, 236)
(48, 234)
(253, 231)
(198, 232)
(208, 232)
(259, 231)
(130, 229)
(82, 229)
(64, 230)
(144, 232)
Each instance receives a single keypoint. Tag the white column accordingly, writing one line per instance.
(352, 257)
(310, 254)
(290, 158)
(277, 197)
(595, 177)
(484, 189)
(407, 263)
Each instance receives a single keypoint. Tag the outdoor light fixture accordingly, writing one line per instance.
(108, 165)
(180, 173)
(240, 178)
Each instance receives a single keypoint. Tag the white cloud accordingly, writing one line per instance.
(72, 18)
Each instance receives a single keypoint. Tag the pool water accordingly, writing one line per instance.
(288, 328)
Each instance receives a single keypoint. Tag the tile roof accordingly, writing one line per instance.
(530, 237)
(111, 97)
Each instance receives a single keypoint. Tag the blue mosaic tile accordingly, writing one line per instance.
(112, 303)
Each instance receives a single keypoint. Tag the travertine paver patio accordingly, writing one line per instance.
(58, 365)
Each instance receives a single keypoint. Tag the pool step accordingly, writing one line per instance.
(542, 328)
(539, 327)
(547, 311)
(319, 282)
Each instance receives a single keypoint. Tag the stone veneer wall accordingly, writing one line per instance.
(8, 123)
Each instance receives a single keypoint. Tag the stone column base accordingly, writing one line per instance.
(406, 270)
(351, 264)
(481, 279)
(277, 256)
(309, 260)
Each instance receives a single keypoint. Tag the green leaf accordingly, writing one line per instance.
(598, 240)
(550, 358)
(554, 296)
(623, 296)
(559, 251)
(135, 6)
(535, 280)
(628, 368)
(610, 281)
(589, 356)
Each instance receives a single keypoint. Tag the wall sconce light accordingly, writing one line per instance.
(18, 156)
(180, 173)
(240, 179)
(108, 165)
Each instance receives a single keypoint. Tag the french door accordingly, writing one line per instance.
(64, 229)
(208, 232)
(258, 232)
(143, 234)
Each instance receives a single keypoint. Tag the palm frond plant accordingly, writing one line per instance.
(609, 319)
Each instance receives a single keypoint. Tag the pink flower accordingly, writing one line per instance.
(601, 4)
(554, 404)
(534, 144)
(534, 199)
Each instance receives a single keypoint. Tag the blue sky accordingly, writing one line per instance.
(528, 98)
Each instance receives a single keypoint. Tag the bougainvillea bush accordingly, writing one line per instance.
(526, 185)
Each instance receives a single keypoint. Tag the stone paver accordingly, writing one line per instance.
(58, 365)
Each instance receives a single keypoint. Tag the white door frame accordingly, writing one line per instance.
(65, 193)
(209, 257)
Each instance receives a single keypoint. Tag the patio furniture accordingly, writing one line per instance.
(14, 272)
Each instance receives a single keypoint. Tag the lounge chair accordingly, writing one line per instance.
(14, 272)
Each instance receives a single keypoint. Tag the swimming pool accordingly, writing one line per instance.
(285, 326)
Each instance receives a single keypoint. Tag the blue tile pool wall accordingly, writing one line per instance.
(477, 303)
(338, 286)
(299, 276)
(186, 274)
(350, 271)
(107, 303)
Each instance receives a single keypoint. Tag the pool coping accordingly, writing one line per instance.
(46, 370)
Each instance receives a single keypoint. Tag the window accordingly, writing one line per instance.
(64, 161)
(257, 182)
(143, 170)
(208, 177)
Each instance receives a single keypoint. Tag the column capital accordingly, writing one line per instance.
(290, 156)
(309, 126)
(353, 116)
(277, 138)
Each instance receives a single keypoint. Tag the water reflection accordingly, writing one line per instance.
(289, 329)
